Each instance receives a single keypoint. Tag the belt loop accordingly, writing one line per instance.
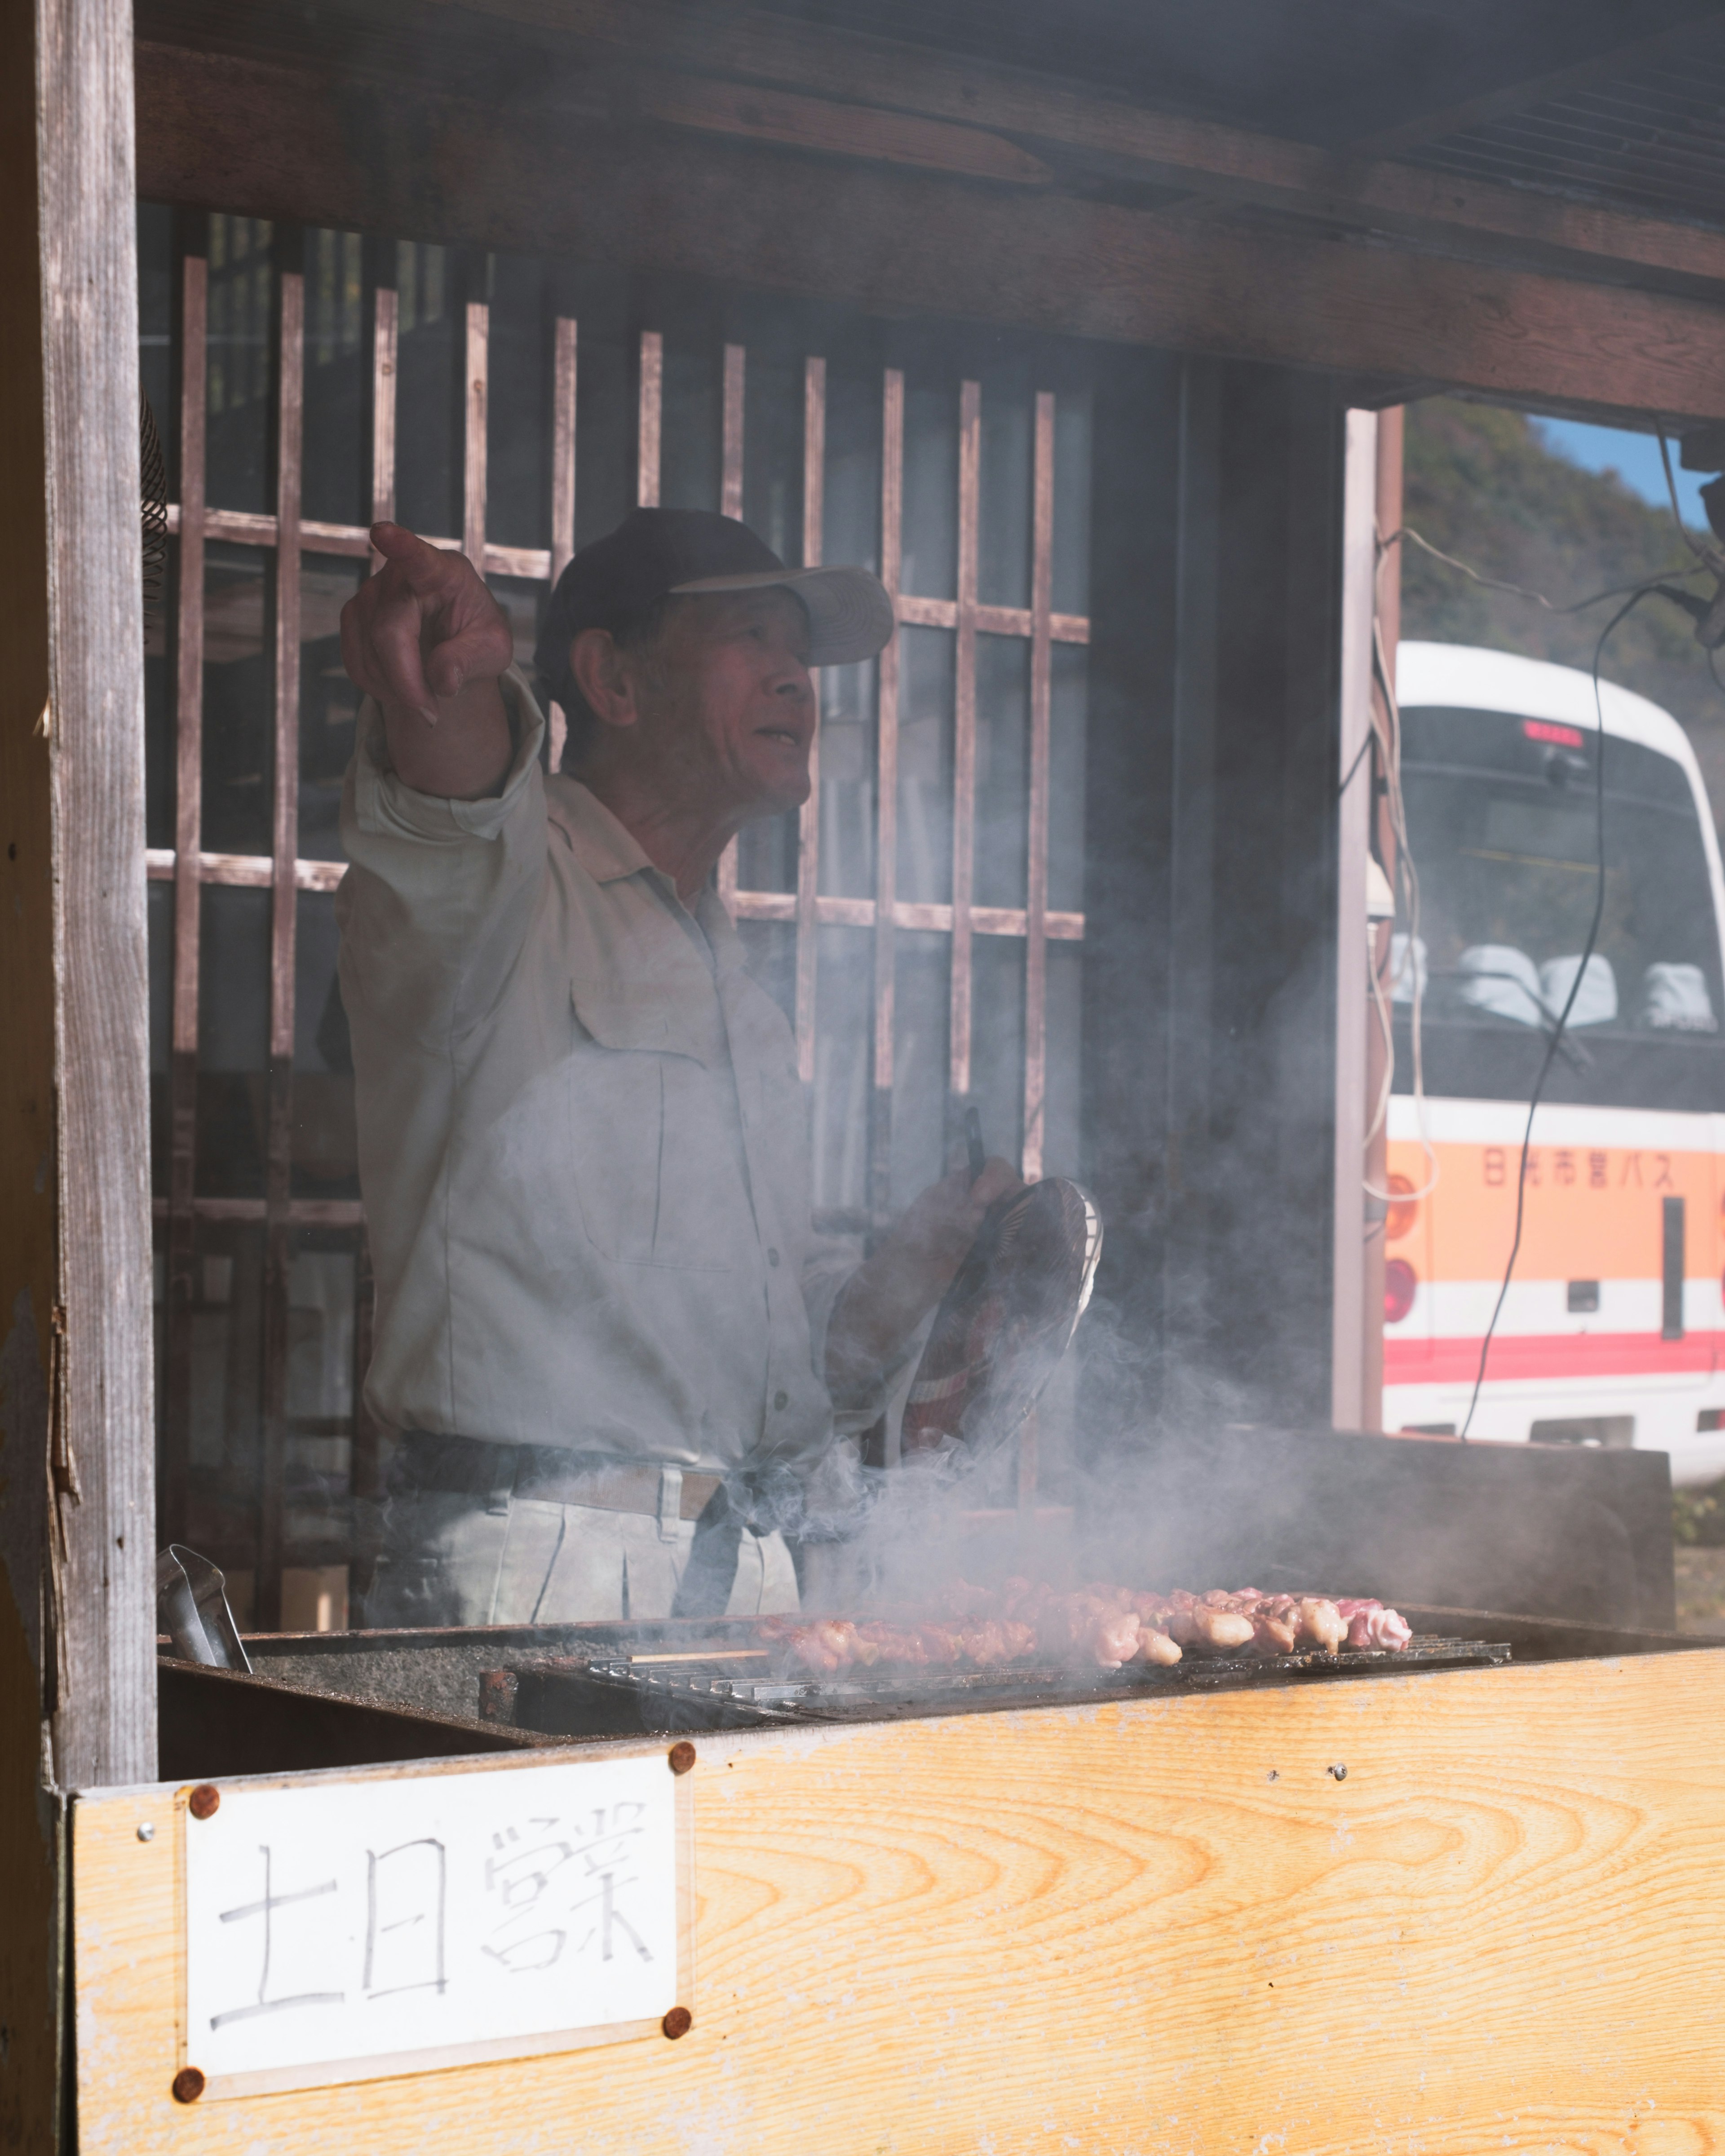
(670, 1503)
(502, 1480)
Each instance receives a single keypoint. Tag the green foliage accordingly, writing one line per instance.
(1698, 1516)
(1481, 485)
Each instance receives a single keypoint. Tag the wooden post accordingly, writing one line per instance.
(1349, 1313)
(1388, 622)
(77, 1526)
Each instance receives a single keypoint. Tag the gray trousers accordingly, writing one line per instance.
(457, 1559)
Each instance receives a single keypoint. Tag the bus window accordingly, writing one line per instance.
(1501, 821)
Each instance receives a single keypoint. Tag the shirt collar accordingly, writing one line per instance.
(608, 851)
(601, 845)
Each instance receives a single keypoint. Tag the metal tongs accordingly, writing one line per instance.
(192, 1607)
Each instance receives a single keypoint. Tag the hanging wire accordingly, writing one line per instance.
(1556, 1031)
(1706, 561)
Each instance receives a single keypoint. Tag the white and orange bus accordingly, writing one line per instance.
(1613, 1330)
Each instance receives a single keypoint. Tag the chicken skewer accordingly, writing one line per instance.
(1099, 1625)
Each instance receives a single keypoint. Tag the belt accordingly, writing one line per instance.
(472, 1466)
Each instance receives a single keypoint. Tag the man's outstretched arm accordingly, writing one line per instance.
(427, 639)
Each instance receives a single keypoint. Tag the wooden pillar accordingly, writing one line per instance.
(1389, 597)
(77, 1529)
(1353, 1316)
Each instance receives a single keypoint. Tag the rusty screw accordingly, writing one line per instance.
(682, 1759)
(201, 1803)
(188, 2085)
(677, 2022)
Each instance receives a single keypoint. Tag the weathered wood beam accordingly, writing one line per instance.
(101, 1562)
(1218, 163)
(275, 142)
(845, 131)
(77, 1534)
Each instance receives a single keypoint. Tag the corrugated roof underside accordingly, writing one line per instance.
(1652, 141)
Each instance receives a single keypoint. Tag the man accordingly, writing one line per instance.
(603, 1325)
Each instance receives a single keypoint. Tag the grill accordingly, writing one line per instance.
(727, 1680)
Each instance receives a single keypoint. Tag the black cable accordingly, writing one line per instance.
(1359, 758)
(1556, 1031)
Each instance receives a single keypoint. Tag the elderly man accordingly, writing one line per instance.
(604, 1326)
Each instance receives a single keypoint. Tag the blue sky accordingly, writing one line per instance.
(1634, 457)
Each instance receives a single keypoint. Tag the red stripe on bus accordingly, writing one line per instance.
(1551, 1355)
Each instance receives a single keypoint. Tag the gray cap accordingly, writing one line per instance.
(659, 553)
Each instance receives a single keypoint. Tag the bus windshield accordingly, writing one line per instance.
(1501, 825)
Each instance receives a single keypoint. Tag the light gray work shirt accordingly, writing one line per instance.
(582, 1142)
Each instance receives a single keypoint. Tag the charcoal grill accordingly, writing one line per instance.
(733, 1682)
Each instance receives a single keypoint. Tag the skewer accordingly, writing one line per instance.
(708, 1655)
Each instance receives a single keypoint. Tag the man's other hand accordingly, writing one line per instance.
(931, 1240)
(427, 639)
(888, 1296)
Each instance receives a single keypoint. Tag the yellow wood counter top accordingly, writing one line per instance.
(1159, 1926)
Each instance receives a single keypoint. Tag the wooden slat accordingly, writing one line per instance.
(251, 871)
(247, 528)
(563, 490)
(926, 915)
(188, 701)
(297, 1213)
(892, 476)
(476, 405)
(652, 405)
(970, 423)
(990, 620)
(385, 358)
(1036, 865)
(285, 832)
(256, 872)
(188, 798)
(278, 1168)
(562, 446)
(730, 449)
(731, 504)
(814, 440)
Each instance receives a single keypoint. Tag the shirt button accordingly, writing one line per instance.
(781, 1401)
(773, 1257)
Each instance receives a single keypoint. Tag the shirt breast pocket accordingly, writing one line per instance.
(637, 1101)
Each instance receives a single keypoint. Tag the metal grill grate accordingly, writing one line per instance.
(566, 1695)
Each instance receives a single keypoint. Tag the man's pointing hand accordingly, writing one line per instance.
(427, 639)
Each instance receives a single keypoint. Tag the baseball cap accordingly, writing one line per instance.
(656, 553)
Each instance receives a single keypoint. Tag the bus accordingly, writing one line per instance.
(1613, 1330)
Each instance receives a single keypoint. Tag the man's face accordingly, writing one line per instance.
(727, 705)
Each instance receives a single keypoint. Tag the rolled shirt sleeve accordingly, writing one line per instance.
(440, 893)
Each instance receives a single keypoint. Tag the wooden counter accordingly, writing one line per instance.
(1163, 1925)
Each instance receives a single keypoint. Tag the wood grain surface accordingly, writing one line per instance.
(266, 140)
(30, 1985)
(1165, 1926)
(105, 1413)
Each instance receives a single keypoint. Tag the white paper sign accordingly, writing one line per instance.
(338, 1922)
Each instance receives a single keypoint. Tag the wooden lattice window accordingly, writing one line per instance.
(949, 774)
